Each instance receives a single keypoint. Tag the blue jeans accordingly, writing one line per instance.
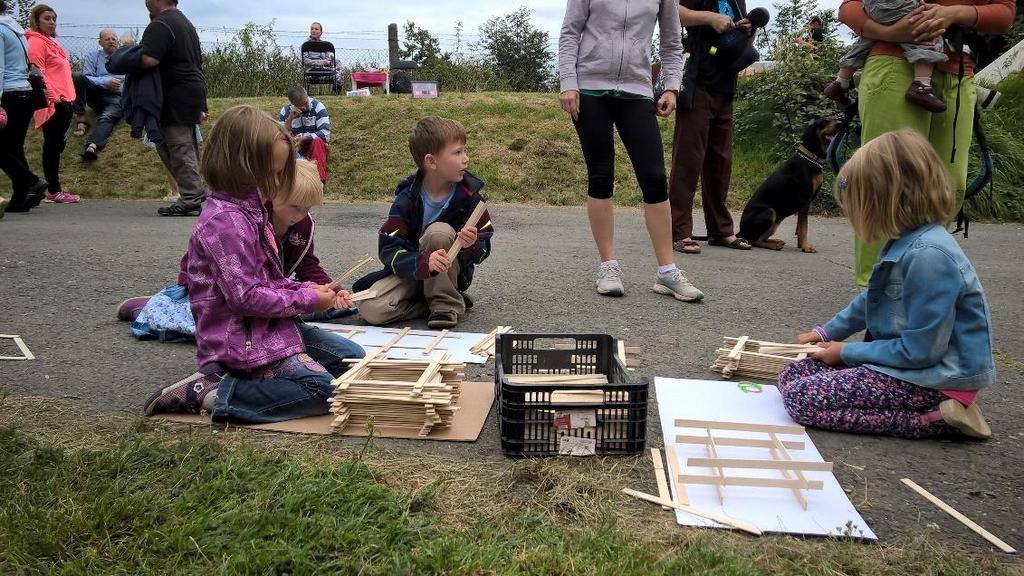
(109, 115)
(329, 349)
(293, 388)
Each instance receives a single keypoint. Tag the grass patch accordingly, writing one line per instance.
(521, 144)
(128, 498)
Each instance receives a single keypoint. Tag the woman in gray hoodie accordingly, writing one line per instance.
(604, 62)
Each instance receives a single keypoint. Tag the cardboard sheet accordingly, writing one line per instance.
(474, 403)
(457, 344)
(829, 512)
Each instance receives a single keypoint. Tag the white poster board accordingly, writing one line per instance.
(829, 511)
(411, 346)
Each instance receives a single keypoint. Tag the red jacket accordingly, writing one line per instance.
(298, 257)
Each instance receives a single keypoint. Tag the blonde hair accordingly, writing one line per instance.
(432, 134)
(308, 190)
(239, 154)
(894, 183)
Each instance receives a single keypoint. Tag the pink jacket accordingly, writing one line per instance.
(243, 305)
(53, 62)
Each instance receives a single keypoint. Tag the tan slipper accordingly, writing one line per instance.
(968, 420)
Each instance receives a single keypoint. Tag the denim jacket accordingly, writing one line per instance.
(927, 312)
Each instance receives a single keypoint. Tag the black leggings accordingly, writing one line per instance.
(12, 143)
(55, 138)
(638, 128)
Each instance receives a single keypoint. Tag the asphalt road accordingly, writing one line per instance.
(64, 268)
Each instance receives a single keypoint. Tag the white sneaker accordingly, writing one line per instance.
(677, 286)
(609, 281)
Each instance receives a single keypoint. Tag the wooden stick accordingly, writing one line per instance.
(741, 426)
(780, 451)
(673, 465)
(747, 463)
(963, 519)
(26, 354)
(622, 351)
(364, 295)
(659, 476)
(713, 451)
(473, 220)
(734, 354)
(751, 482)
(721, 519)
(337, 283)
(433, 343)
(741, 442)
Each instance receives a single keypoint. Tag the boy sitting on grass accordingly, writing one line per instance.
(428, 215)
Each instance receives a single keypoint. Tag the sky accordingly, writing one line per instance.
(347, 23)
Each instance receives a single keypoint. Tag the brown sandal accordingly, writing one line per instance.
(686, 246)
(81, 128)
(737, 244)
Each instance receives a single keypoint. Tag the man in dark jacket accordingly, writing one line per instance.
(171, 44)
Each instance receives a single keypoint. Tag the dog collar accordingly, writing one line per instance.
(806, 154)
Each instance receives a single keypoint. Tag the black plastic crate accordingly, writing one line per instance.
(527, 413)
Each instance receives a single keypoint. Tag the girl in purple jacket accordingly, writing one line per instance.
(250, 348)
(167, 316)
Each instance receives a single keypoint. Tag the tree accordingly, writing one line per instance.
(421, 46)
(21, 9)
(520, 51)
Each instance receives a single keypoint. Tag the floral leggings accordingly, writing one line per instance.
(858, 400)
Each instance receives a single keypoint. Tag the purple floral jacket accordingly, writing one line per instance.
(243, 304)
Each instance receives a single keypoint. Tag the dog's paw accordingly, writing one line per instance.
(808, 249)
(778, 244)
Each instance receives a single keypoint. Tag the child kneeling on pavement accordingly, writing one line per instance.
(251, 349)
(428, 215)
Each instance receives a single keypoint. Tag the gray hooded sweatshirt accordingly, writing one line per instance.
(606, 45)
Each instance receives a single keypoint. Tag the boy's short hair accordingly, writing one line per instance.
(308, 189)
(433, 133)
(892, 184)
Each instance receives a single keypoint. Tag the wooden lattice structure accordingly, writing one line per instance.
(417, 394)
(756, 358)
(778, 457)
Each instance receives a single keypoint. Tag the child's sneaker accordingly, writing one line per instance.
(62, 197)
(442, 320)
(609, 280)
(968, 420)
(129, 310)
(924, 96)
(834, 91)
(677, 286)
(186, 395)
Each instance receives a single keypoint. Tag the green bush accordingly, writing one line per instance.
(1005, 199)
(252, 64)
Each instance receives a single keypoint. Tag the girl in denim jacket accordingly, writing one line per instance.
(244, 306)
(931, 346)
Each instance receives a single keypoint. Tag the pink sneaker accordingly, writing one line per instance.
(62, 197)
(129, 310)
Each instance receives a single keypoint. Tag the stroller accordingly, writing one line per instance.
(319, 67)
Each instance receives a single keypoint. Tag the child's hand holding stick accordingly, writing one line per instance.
(467, 236)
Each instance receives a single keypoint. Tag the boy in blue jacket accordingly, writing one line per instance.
(429, 214)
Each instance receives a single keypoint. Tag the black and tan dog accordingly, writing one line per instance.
(789, 190)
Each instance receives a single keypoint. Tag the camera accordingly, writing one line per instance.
(736, 47)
